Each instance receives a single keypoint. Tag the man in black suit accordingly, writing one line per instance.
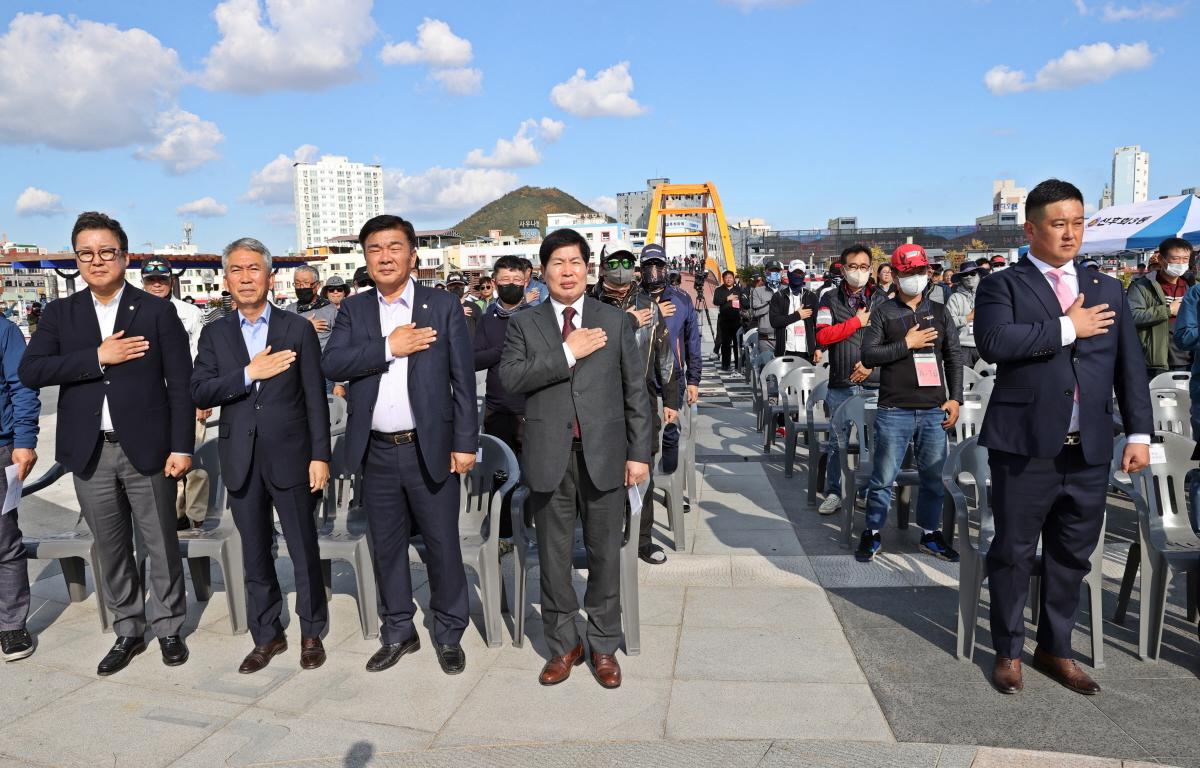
(587, 437)
(121, 360)
(1063, 340)
(413, 427)
(262, 366)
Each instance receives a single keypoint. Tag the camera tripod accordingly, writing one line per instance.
(702, 304)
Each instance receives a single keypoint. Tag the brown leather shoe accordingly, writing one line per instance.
(262, 654)
(558, 668)
(312, 653)
(1065, 671)
(606, 670)
(1006, 675)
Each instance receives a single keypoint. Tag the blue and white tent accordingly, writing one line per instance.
(1142, 226)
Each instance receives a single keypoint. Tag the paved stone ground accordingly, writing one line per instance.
(763, 644)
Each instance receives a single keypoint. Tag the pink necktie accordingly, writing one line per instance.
(1063, 292)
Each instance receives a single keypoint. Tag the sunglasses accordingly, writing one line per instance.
(156, 270)
(619, 263)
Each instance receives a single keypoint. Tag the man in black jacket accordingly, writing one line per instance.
(262, 367)
(728, 301)
(792, 315)
(914, 344)
(121, 360)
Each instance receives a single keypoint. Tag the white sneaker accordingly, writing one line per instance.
(831, 504)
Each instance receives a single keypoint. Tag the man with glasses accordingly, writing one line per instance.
(158, 280)
(842, 316)
(1154, 301)
(125, 429)
(311, 304)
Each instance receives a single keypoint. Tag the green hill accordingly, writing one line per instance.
(520, 204)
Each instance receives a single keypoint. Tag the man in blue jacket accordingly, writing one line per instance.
(19, 408)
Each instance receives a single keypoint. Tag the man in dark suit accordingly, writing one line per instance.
(1063, 340)
(587, 437)
(262, 367)
(413, 426)
(121, 359)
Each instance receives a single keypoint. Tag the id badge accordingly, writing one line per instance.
(928, 373)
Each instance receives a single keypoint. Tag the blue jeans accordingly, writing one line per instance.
(895, 428)
(833, 467)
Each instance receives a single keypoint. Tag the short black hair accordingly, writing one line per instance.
(526, 264)
(727, 272)
(384, 222)
(508, 262)
(982, 262)
(856, 248)
(1048, 192)
(879, 269)
(935, 269)
(1174, 243)
(563, 238)
(96, 220)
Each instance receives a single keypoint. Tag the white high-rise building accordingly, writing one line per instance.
(1130, 175)
(334, 197)
(1008, 204)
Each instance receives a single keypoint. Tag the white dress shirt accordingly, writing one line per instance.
(1070, 278)
(576, 321)
(106, 315)
(393, 410)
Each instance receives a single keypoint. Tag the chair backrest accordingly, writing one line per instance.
(1172, 380)
(796, 385)
(984, 368)
(495, 473)
(750, 339)
(777, 369)
(853, 416)
(208, 459)
(970, 416)
(967, 479)
(1171, 409)
(337, 414)
(819, 395)
(984, 387)
(339, 493)
(1159, 495)
(970, 378)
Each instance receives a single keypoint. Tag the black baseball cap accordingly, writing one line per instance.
(156, 267)
(771, 265)
(362, 278)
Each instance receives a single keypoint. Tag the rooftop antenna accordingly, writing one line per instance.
(187, 233)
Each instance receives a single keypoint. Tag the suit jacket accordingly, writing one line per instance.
(606, 392)
(1017, 326)
(441, 379)
(289, 411)
(148, 397)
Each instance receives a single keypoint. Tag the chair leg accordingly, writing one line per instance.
(789, 451)
(327, 578)
(1193, 582)
(1035, 599)
(968, 607)
(1157, 609)
(1131, 571)
(489, 573)
(367, 592)
(235, 586)
(519, 606)
(848, 481)
(675, 514)
(1095, 587)
(73, 573)
(949, 518)
(201, 571)
(813, 470)
(98, 579)
(630, 610)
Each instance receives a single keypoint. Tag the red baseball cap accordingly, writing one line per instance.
(908, 257)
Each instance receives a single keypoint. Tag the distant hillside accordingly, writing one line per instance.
(520, 204)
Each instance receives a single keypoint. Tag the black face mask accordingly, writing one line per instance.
(305, 295)
(510, 293)
(457, 290)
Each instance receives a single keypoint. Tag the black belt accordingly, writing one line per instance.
(1072, 438)
(109, 436)
(403, 437)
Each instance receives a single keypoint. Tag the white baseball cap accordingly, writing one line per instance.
(797, 265)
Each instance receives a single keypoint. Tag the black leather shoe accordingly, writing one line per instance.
(452, 658)
(390, 653)
(122, 652)
(174, 651)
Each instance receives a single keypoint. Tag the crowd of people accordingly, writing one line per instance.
(586, 384)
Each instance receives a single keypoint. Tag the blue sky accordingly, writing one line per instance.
(798, 111)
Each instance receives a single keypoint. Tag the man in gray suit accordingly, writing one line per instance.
(587, 437)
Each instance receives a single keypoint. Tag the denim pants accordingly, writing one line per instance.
(895, 428)
(833, 467)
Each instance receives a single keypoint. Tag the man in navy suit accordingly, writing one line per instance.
(413, 428)
(262, 366)
(1063, 340)
(121, 360)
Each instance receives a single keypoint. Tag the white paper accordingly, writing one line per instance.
(1158, 454)
(635, 499)
(13, 496)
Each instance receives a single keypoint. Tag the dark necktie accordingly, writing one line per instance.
(568, 326)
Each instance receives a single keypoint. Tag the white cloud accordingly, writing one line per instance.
(184, 142)
(1080, 66)
(445, 53)
(304, 45)
(606, 95)
(205, 208)
(521, 150)
(604, 204)
(461, 81)
(75, 84)
(38, 202)
(1154, 11)
(273, 182)
(444, 192)
(436, 46)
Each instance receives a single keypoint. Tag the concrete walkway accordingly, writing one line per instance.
(746, 660)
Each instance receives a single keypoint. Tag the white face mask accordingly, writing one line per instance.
(1176, 270)
(856, 278)
(914, 285)
(971, 282)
